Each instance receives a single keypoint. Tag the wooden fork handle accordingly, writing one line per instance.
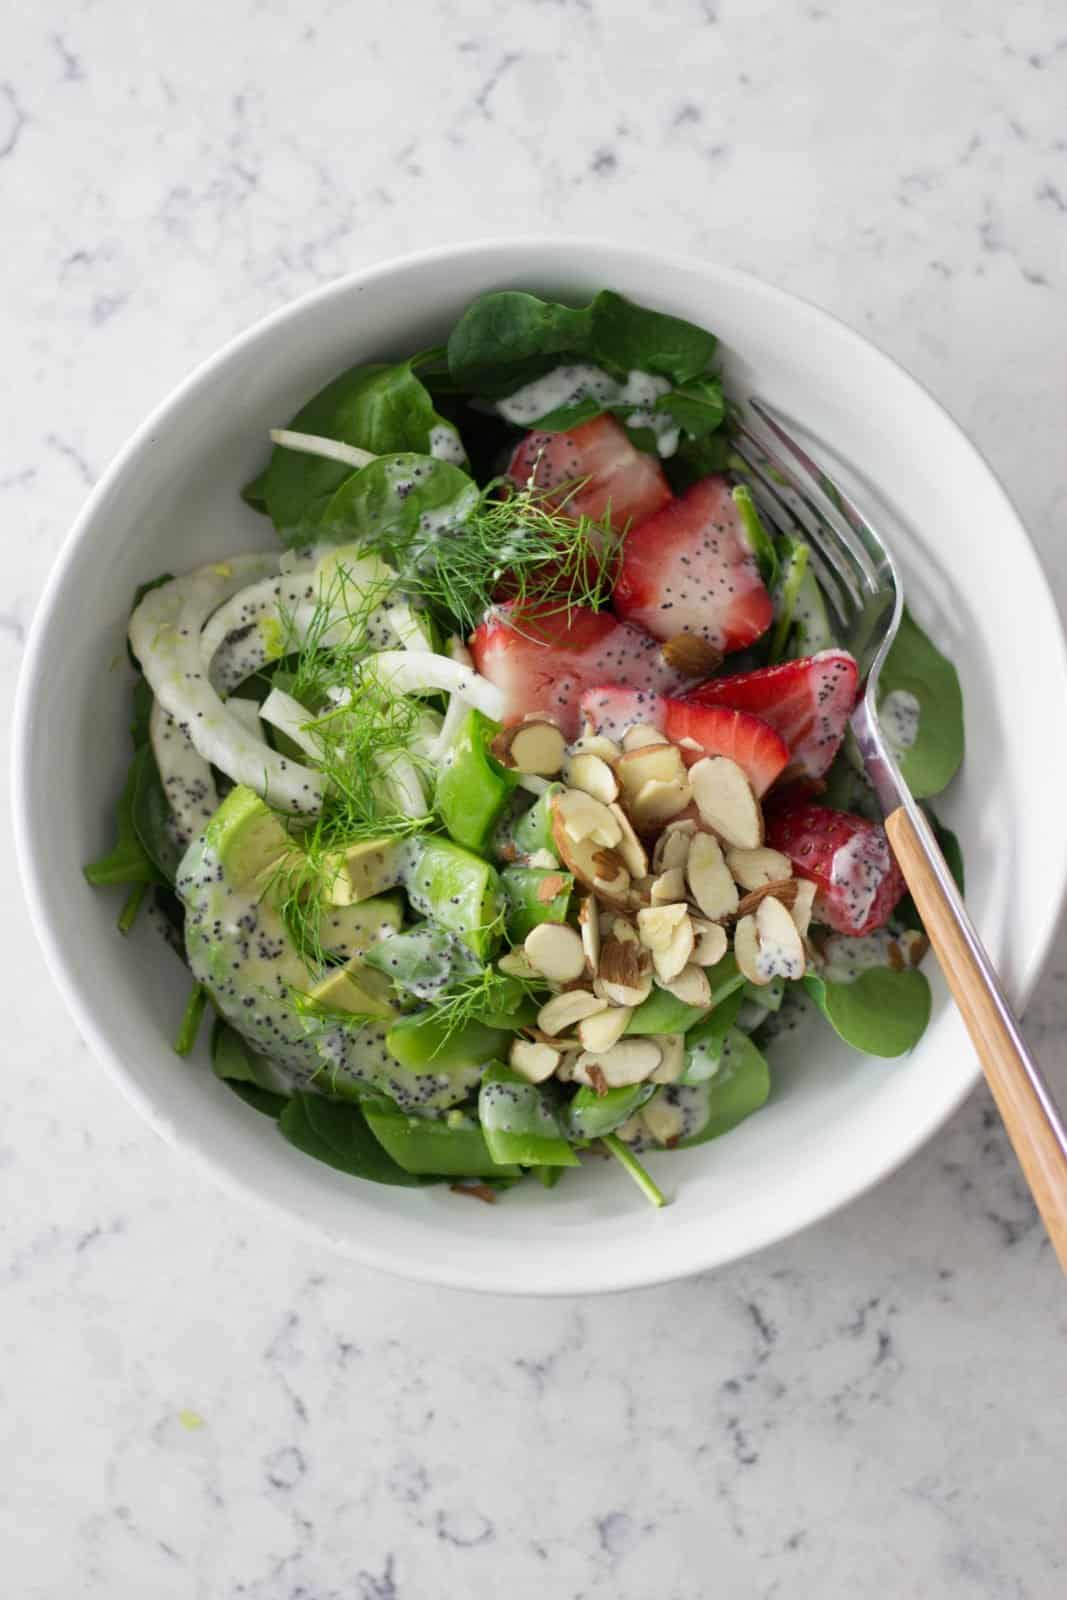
(1023, 1099)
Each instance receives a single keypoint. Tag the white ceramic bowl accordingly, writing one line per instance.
(836, 1122)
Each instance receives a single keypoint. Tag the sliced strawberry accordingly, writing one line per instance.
(543, 659)
(849, 858)
(808, 701)
(689, 569)
(708, 730)
(615, 482)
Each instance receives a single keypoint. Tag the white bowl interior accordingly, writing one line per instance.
(836, 1121)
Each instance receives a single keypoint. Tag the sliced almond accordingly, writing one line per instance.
(711, 943)
(592, 775)
(660, 762)
(550, 887)
(564, 1010)
(625, 976)
(767, 944)
(629, 845)
(672, 846)
(668, 888)
(562, 1045)
(533, 1061)
(629, 1061)
(726, 802)
(556, 951)
(580, 856)
(611, 877)
(625, 994)
(582, 817)
(753, 868)
(517, 964)
(536, 747)
(913, 945)
(786, 892)
(670, 962)
(640, 735)
(589, 930)
(803, 905)
(691, 986)
(657, 925)
(746, 950)
(595, 744)
(605, 1029)
(672, 1057)
(694, 656)
(710, 879)
(544, 859)
(663, 1121)
(657, 801)
(630, 1130)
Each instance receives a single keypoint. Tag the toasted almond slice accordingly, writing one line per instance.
(629, 845)
(564, 1010)
(517, 964)
(625, 994)
(803, 904)
(711, 943)
(624, 931)
(640, 735)
(691, 986)
(913, 945)
(668, 888)
(550, 887)
(538, 748)
(694, 656)
(556, 951)
(592, 775)
(661, 762)
(595, 744)
(786, 892)
(630, 1130)
(781, 950)
(629, 1061)
(726, 802)
(753, 868)
(663, 1121)
(622, 960)
(589, 929)
(543, 859)
(605, 1029)
(657, 801)
(746, 950)
(670, 962)
(611, 878)
(657, 925)
(582, 817)
(672, 846)
(710, 880)
(533, 1061)
(562, 1045)
(579, 856)
(672, 1058)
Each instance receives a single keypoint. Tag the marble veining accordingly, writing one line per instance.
(197, 1408)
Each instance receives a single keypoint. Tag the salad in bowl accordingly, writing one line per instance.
(503, 809)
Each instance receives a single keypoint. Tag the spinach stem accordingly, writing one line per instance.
(131, 906)
(626, 1158)
(190, 1026)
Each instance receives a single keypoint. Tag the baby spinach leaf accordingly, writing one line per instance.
(740, 1086)
(249, 1076)
(383, 409)
(398, 500)
(254, 494)
(704, 1043)
(152, 816)
(628, 336)
(916, 667)
(698, 407)
(128, 861)
(142, 710)
(265, 1101)
(336, 1132)
(698, 458)
(907, 912)
(882, 1012)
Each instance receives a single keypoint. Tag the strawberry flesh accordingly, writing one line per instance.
(808, 701)
(597, 472)
(543, 658)
(846, 857)
(712, 730)
(689, 569)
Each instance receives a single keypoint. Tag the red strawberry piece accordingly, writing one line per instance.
(597, 471)
(809, 702)
(543, 658)
(847, 857)
(690, 569)
(699, 730)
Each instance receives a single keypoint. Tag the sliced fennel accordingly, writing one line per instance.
(314, 444)
(185, 775)
(399, 672)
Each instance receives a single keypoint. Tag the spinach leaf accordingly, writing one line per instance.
(254, 494)
(383, 409)
(882, 1013)
(907, 912)
(152, 816)
(397, 499)
(627, 336)
(740, 1086)
(189, 1031)
(916, 667)
(250, 1076)
(698, 458)
(142, 710)
(336, 1132)
(698, 407)
(128, 861)
(704, 1043)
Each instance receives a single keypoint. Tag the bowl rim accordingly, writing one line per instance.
(432, 1269)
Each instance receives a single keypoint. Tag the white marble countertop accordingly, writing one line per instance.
(196, 1406)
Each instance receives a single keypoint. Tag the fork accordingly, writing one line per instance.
(856, 571)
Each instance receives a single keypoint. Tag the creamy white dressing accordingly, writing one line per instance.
(859, 868)
(186, 777)
(898, 716)
(843, 957)
(446, 444)
(569, 385)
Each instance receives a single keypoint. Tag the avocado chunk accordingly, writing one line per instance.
(346, 931)
(355, 988)
(247, 837)
(365, 869)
